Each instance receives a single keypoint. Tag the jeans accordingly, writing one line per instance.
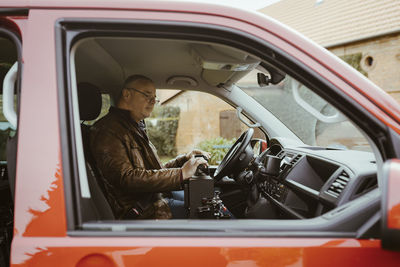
(177, 205)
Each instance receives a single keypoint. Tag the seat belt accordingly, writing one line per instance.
(12, 162)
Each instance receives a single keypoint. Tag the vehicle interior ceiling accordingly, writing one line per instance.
(314, 187)
(181, 65)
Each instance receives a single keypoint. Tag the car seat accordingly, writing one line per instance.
(97, 207)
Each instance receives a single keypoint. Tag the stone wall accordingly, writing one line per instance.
(380, 60)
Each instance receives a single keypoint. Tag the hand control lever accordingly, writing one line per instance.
(202, 169)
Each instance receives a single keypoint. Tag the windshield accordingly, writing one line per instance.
(311, 118)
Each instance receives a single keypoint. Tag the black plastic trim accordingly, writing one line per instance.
(14, 11)
(395, 140)
(81, 28)
(67, 137)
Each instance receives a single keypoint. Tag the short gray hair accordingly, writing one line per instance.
(129, 80)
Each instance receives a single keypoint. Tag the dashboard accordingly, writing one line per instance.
(305, 182)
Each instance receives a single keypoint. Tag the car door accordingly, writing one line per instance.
(50, 223)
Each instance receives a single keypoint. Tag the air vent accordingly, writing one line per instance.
(339, 184)
(295, 159)
(280, 154)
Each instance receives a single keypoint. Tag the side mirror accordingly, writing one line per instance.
(262, 79)
(258, 145)
(390, 208)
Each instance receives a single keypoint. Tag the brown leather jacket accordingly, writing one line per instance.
(133, 175)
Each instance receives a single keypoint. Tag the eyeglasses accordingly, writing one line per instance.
(148, 98)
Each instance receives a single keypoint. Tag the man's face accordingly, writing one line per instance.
(140, 98)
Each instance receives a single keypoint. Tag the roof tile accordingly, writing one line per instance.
(338, 21)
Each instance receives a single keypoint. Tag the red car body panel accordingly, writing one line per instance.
(40, 236)
(203, 252)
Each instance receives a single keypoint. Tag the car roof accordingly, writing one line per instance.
(179, 6)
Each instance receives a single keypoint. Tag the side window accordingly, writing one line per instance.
(193, 119)
(293, 179)
(311, 118)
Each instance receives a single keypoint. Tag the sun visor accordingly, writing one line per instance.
(222, 65)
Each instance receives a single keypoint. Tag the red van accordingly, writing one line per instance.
(324, 192)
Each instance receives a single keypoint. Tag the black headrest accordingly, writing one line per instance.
(89, 101)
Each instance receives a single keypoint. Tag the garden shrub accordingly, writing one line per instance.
(218, 147)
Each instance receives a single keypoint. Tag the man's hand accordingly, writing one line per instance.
(190, 166)
(194, 152)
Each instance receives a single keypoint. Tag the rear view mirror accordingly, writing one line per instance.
(274, 77)
(390, 208)
(262, 79)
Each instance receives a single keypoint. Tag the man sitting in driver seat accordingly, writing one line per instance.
(133, 173)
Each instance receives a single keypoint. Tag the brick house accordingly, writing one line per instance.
(366, 32)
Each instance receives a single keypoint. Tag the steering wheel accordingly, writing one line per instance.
(238, 156)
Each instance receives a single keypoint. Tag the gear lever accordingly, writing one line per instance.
(202, 169)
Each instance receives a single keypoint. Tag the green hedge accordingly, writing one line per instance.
(161, 129)
(217, 148)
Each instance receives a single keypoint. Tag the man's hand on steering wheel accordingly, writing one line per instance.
(190, 166)
(195, 152)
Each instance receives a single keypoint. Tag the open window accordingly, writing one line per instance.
(10, 49)
(304, 183)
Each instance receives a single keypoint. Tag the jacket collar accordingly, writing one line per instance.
(125, 114)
